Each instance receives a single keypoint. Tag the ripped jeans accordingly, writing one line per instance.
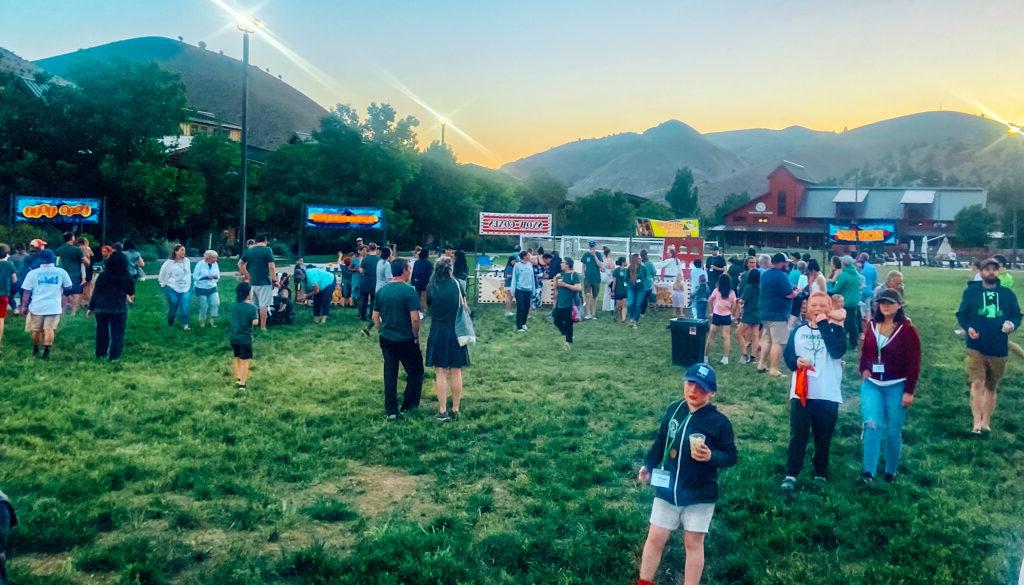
(883, 414)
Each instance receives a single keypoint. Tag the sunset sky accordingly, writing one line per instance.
(521, 76)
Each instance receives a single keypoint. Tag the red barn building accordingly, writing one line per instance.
(796, 211)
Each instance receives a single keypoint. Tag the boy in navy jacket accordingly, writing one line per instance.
(695, 440)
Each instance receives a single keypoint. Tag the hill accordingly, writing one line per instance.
(643, 164)
(949, 148)
(213, 83)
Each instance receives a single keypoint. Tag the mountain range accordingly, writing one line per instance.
(933, 148)
(947, 148)
(213, 83)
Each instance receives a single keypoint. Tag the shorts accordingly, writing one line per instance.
(593, 288)
(242, 351)
(777, 331)
(985, 368)
(346, 289)
(3, 307)
(263, 295)
(76, 288)
(43, 322)
(721, 320)
(694, 518)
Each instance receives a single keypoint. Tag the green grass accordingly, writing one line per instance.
(155, 470)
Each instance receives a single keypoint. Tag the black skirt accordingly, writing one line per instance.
(443, 349)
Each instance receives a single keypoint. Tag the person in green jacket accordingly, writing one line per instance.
(848, 284)
(1005, 278)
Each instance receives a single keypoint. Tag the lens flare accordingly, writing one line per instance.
(401, 87)
(318, 75)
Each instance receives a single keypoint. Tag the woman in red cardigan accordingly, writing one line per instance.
(890, 363)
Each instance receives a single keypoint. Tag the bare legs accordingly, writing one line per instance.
(445, 379)
(240, 368)
(655, 545)
(726, 340)
(983, 404)
(263, 318)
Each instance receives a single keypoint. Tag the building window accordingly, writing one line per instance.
(846, 210)
(919, 211)
(780, 208)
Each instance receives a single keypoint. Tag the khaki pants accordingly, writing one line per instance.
(985, 368)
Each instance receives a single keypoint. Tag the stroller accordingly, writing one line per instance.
(282, 311)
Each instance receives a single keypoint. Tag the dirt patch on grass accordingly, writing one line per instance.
(43, 565)
(374, 490)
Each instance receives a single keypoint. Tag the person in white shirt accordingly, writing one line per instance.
(176, 281)
(671, 265)
(206, 276)
(43, 299)
(523, 283)
(814, 354)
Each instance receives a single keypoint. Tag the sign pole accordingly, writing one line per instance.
(103, 230)
(302, 230)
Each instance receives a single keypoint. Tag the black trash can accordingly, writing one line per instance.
(688, 339)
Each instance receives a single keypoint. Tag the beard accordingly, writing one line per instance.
(991, 281)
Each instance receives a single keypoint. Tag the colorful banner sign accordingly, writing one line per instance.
(515, 224)
(673, 228)
(874, 233)
(332, 217)
(56, 209)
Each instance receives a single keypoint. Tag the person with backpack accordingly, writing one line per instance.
(694, 442)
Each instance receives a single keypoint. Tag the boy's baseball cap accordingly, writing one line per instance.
(592, 244)
(703, 375)
(47, 257)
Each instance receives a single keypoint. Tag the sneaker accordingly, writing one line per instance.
(819, 479)
(521, 330)
(788, 484)
(185, 328)
(775, 373)
(890, 477)
(566, 345)
(421, 315)
(365, 331)
(866, 478)
(725, 360)
(443, 417)
(510, 314)
(525, 328)
(392, 417)
(588, 318)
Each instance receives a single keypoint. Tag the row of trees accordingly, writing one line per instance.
(101, 137)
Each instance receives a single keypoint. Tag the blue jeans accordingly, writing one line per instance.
(882, 410)
(178, 304)
(634, 302)
(208, 305)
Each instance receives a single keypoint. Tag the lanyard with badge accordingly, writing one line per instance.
(662, 477)
(881, 342)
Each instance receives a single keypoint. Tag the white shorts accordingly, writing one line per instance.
(694, 518)
(263, 295)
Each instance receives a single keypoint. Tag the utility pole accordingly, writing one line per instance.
(443, 125)
(247, 26)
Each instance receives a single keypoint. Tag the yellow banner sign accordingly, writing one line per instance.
(661, 228)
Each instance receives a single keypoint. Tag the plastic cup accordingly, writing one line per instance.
(696, 441)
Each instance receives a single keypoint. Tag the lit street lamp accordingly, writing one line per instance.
(247, 26)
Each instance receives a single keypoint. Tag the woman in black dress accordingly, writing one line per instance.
(444, 354)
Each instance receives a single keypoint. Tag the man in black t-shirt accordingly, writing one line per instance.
(71, 258)
(396, 312)
(716, 267)
(368, 282)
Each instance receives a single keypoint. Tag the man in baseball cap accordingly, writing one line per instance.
(774, 305)
(42, 300)
(693, 443)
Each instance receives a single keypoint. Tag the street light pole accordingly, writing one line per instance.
(245, 134)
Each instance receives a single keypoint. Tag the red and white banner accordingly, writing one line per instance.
(515, 224)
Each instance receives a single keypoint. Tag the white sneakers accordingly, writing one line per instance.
(725, 360)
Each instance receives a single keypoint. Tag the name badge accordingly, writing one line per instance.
(661, 478)
(878, 368)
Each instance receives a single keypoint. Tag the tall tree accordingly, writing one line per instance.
(973, 224)
(602, 213)
(682, 196)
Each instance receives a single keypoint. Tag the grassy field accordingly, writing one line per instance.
(155, 470)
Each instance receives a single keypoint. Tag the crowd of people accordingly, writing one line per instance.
(785, 308)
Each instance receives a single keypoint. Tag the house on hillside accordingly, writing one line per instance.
(200, 122)
(796, 211)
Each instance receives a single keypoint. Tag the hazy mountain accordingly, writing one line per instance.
(214, 84)
(643, 164)
(930, 147)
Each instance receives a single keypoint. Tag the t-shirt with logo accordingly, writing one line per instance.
(592, 266)
(257, 262)
(47, 284)
(71, 260)
(567, 296)
(7, 268)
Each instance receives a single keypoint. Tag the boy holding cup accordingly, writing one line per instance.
(695, 440)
